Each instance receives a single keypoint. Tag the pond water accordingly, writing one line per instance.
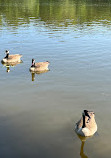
(38, 112)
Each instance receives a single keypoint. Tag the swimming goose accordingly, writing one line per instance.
(86, 126)
(38, 67)
(11, 58)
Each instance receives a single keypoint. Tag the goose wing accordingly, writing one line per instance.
(79, 123)
(15, 56)
(41, 64)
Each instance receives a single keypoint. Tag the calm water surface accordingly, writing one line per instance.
(38, 112)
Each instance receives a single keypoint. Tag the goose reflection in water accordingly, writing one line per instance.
(83, 140)
(8, 68)
(38, 73)
(82, 154)
(10, 65)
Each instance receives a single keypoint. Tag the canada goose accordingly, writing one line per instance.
(39, 67)
(15, 58)
(86, 126)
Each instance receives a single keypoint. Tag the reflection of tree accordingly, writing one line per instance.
(55, 12)
(13, 11)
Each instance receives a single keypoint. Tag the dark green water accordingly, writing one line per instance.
(37, 118)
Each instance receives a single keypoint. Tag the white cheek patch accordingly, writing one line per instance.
(88, 120)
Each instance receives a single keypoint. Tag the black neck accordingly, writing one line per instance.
(33, 64)
(83, 122)
(7, 56)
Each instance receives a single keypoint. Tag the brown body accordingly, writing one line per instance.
(39, 67)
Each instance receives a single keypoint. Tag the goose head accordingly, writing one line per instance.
(33, 63)
(86, 113)
(7, 54)
(89, 114)
(7, 51)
